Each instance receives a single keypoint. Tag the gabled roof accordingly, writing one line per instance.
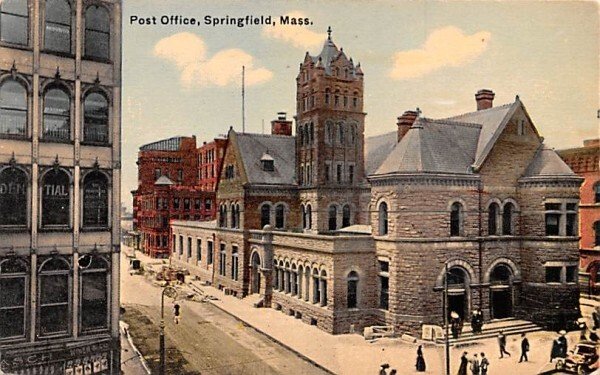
(547, 163)
(163, 181)
(281, 148)
(434, 146)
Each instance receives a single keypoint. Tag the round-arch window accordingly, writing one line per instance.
(57, 114)
(13, 197)
(95, 200)
(457, 276)
(500, 274)
(13, 109)
(95, 127)
(55, 198)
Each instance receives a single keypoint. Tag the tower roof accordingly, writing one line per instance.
(330, 54)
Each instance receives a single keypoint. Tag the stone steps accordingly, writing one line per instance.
(491, 330)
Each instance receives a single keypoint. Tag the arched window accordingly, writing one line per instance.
(265, 215)
(507, 219)
(13, 197)
(14, 22)
(57, 114)
(383, 219)
(57, 34)
(312, 133)
(493, 219)
(327, 95)
(332, 217)
(94, 293)
(13, 298)
(329, 132)
(341, 133)
(308, 216)
(222, 216)
(56, 198)
(597, 233)
(303, 216)
(54, 296)
(95, 200)
(294, 280)
(97, 32)
(301, 134)
(501, 274)
(456, 212)
(280, 216)
(346, 216)
(13, 108)
(457, 277)
(352, 296)
(316, 286)
(323, 288)
(95, 121)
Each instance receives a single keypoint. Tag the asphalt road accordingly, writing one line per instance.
(211, 341)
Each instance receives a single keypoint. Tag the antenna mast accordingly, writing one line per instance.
(243, 99)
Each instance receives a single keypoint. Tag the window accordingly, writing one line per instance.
(351, 174)
(327, 95)
(57, 35)
(56, 198)
(13, 298)
(553, 274)
(189, 248)
(383, 219)
(95, 200)
(493, 219)
(339, 173)
(352, 296)
(346, 215)
(308, 214)
(186, 204)
(176, 203)
(303, 216)
(95, 121)
(597, 233)
(97, 32)
(571, 276)
(312, 133)
(157, 173)
(222, 260)
(323, 288)
(384, 284)
(209, 252)
(456, 219)
(329, 133)
(327, 172)
(597, 193)
(355, 102)
(279, 216)
(13, 197)
(197, 204)
(198, 250)
(180, 245)
(316, 287)
(332, 217)
(94, 293)
(342, 137)
(265, 215)
(229, 172)
(234, 262)
(57, 115)
(13, 108)
(521, 127)
(207, 204)
(561, 218)
(507, 219)
(552, 219)
(571, 224)
(14, 22)
(54, 296)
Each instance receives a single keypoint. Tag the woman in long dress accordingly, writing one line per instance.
(464, 363)
(420, 360)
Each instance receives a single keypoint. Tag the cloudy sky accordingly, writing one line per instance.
(186, 80)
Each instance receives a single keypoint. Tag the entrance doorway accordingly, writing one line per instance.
(501, 303)
(255, 273)
(457, 303)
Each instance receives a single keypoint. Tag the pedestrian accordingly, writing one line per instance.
(393, 372)
(479, 320)
(464, 362)
(420, 365)
(383, 369)
(176, 312)
(475, 365)
(502, 344)
(596, 318)
(455, 324)
(556, 350)
(484, 364)
(474, 322)
(524, 348)
(563, 344)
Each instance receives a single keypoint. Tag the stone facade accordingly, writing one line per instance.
(475, 199)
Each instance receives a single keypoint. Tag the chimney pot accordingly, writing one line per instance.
(484, 99)
(405, 122)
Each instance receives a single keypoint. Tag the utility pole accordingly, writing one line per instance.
(447, 338)
(162, 328)
(243, 99)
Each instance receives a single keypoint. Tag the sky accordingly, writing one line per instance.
(186, 79)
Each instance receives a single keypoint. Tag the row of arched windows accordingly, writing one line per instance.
(56, 198)
(340, 134)
(229, 215)
(306, 134)
(279, 214)
(55, 296)
(341, 100)
(57, 107)
(499, 222)
(300, 281)
(333, 220)
(58, 30)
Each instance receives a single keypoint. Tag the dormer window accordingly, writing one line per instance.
(267, 162)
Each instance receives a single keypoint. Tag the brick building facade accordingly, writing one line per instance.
(585, 162)
(175, 181)
(343, 239)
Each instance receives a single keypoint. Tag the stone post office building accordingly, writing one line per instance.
(60, 105)
(342, 242)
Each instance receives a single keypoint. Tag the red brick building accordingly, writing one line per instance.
(585, 162)
(169, 188)
(210, 159)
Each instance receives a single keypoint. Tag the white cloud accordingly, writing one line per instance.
(298, 36)
(188, 52)
(447, 46)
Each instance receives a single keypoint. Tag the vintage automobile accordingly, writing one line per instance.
(583, 359)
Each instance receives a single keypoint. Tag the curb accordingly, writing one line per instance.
(304, 357)
(135, 349)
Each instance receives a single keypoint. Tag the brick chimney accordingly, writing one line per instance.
(405, 122)
(591, 142)
(485, 99)
(281, 126)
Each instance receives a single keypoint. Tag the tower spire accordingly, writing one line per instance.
(328, 32)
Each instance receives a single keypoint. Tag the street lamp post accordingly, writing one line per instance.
(162, 328)
(447, 339)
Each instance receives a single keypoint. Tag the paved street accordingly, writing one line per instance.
(210, 341)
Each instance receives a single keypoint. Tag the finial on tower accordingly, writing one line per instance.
(328, 32)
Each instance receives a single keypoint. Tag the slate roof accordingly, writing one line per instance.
(331, 53)
(377, 149)
(170, 144)
(547, 163)
(281, 148)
